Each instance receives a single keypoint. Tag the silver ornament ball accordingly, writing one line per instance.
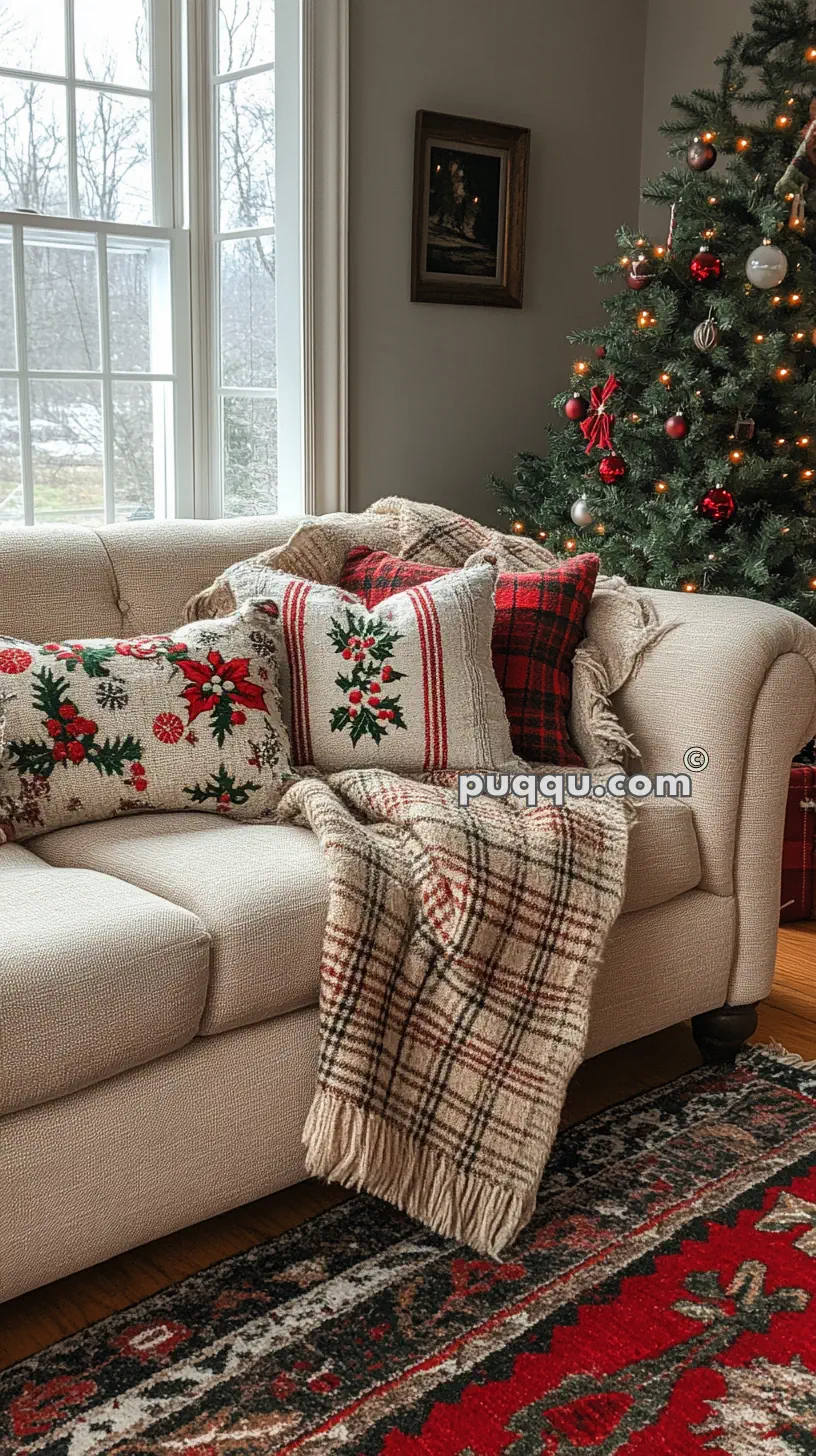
(766, 266)
(580, 513)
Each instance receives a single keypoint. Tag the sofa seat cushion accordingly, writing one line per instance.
(96, 976)
(664, 857)
(260, 889)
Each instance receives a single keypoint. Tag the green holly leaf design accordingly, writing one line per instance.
(220, 719)
(223, 788)
(111, 756)
(372, 641)
(31, 757)
(90, 659)
(48, 693)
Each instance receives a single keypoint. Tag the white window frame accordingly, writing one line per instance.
(311, 243)
(311, 252)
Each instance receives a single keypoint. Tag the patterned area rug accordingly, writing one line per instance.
(663, 1300)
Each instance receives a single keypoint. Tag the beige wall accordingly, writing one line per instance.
(441, 395)
(682, 41)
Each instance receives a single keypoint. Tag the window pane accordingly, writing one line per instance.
(246, 122)
(66, 439)
(248, 312)
(8, 352)
(32, 35)
(112, 41)
(250, 456)
(34, 152)
(113, 157)
(246, 34)
(11, 490)
(138, 448)
(128, 307)
(62, 306)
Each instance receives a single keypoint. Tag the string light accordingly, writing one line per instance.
(807, 474)
(759, 338)
(743, 144)
(580, 366)
(661, 486)
(569, 544)
(776, 300)
(645, 319)
(794, 299)
(641, 243)
(518, 528)
(690, 586)
(782, 121)
(803, 442)
(798, 336)
(712, 201)
(542, 535)
(665, 379)
(810, 53)
(624, 261)
(780, 442)
(783, 530)
(812, 583)
(600, 529)
(708, 234)
(782, 372)
(709, 136)
(735, 456)
(634, 419)
(659, 251)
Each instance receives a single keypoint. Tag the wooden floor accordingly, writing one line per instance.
(35, 1320)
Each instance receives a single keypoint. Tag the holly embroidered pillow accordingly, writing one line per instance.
(186, 720)
(539, 623)
(408, 686)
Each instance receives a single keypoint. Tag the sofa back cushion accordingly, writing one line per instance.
(539, 623)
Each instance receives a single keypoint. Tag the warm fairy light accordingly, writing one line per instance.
(798, 336)
(803, 442)
(641, 243)
(735, 456)
(580, 366)
(783, 530)
(782, 372)
(634, 419)
(661, 486)
(624, 261)
(780, 442)
(542, 535)
(709, 136)
(708, 234)
(776, 300)
(690, 586)
(812, 583)
(699, 393)
(659, 251)
(806, 474)
(569, 544)
(518, 528)
(712, 201)
(794, 299)
(783, 121)
(600, 529)
(645, 319)
(759, 338)
(810, 53)
(665, 378)
(743, 143)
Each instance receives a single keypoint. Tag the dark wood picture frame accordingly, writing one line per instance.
(484, 237)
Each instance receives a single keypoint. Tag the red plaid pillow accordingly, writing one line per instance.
(539, 623)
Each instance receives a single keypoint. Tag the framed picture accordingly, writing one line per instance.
(470, 209)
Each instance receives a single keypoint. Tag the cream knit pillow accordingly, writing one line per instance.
(186, 720)
(408, 686)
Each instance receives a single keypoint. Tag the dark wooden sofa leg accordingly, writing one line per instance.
(720, 1034)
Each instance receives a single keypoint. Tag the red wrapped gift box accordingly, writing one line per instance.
(797, 901)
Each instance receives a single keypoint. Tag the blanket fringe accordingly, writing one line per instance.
(348, 1145)
(778, 1053)
(597, 733)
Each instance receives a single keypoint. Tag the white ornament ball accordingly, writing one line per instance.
(580, 513)
(766, 266)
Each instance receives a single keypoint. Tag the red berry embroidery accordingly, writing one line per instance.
(237, 717)
(355, 696)
(68, 711)
(168, 727)
(140, 785)
(76, 752)
(59, 751)
(53, 727)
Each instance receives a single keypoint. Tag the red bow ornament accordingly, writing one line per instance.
(599, 423)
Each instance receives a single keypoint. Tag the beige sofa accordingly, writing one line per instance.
(159, 976)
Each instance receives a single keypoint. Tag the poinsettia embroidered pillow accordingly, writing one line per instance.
(186, 720)
(539, 623)
(409, 686)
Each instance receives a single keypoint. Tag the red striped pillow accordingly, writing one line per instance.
(539, 623)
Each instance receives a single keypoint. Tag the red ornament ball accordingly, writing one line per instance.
(706, 267)
(600, 351)
(676, 427)
(576, 408)
(611, 468)
(717, 505)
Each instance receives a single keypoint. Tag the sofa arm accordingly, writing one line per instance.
(737, 678)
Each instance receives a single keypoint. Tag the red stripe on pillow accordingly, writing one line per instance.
(430, 638)
(293, 616)
(539, 623)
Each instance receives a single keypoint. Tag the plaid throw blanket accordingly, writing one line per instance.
(458, 963)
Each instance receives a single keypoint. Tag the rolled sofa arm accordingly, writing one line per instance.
(738, 679)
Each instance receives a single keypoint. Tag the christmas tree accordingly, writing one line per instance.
(687, 458)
